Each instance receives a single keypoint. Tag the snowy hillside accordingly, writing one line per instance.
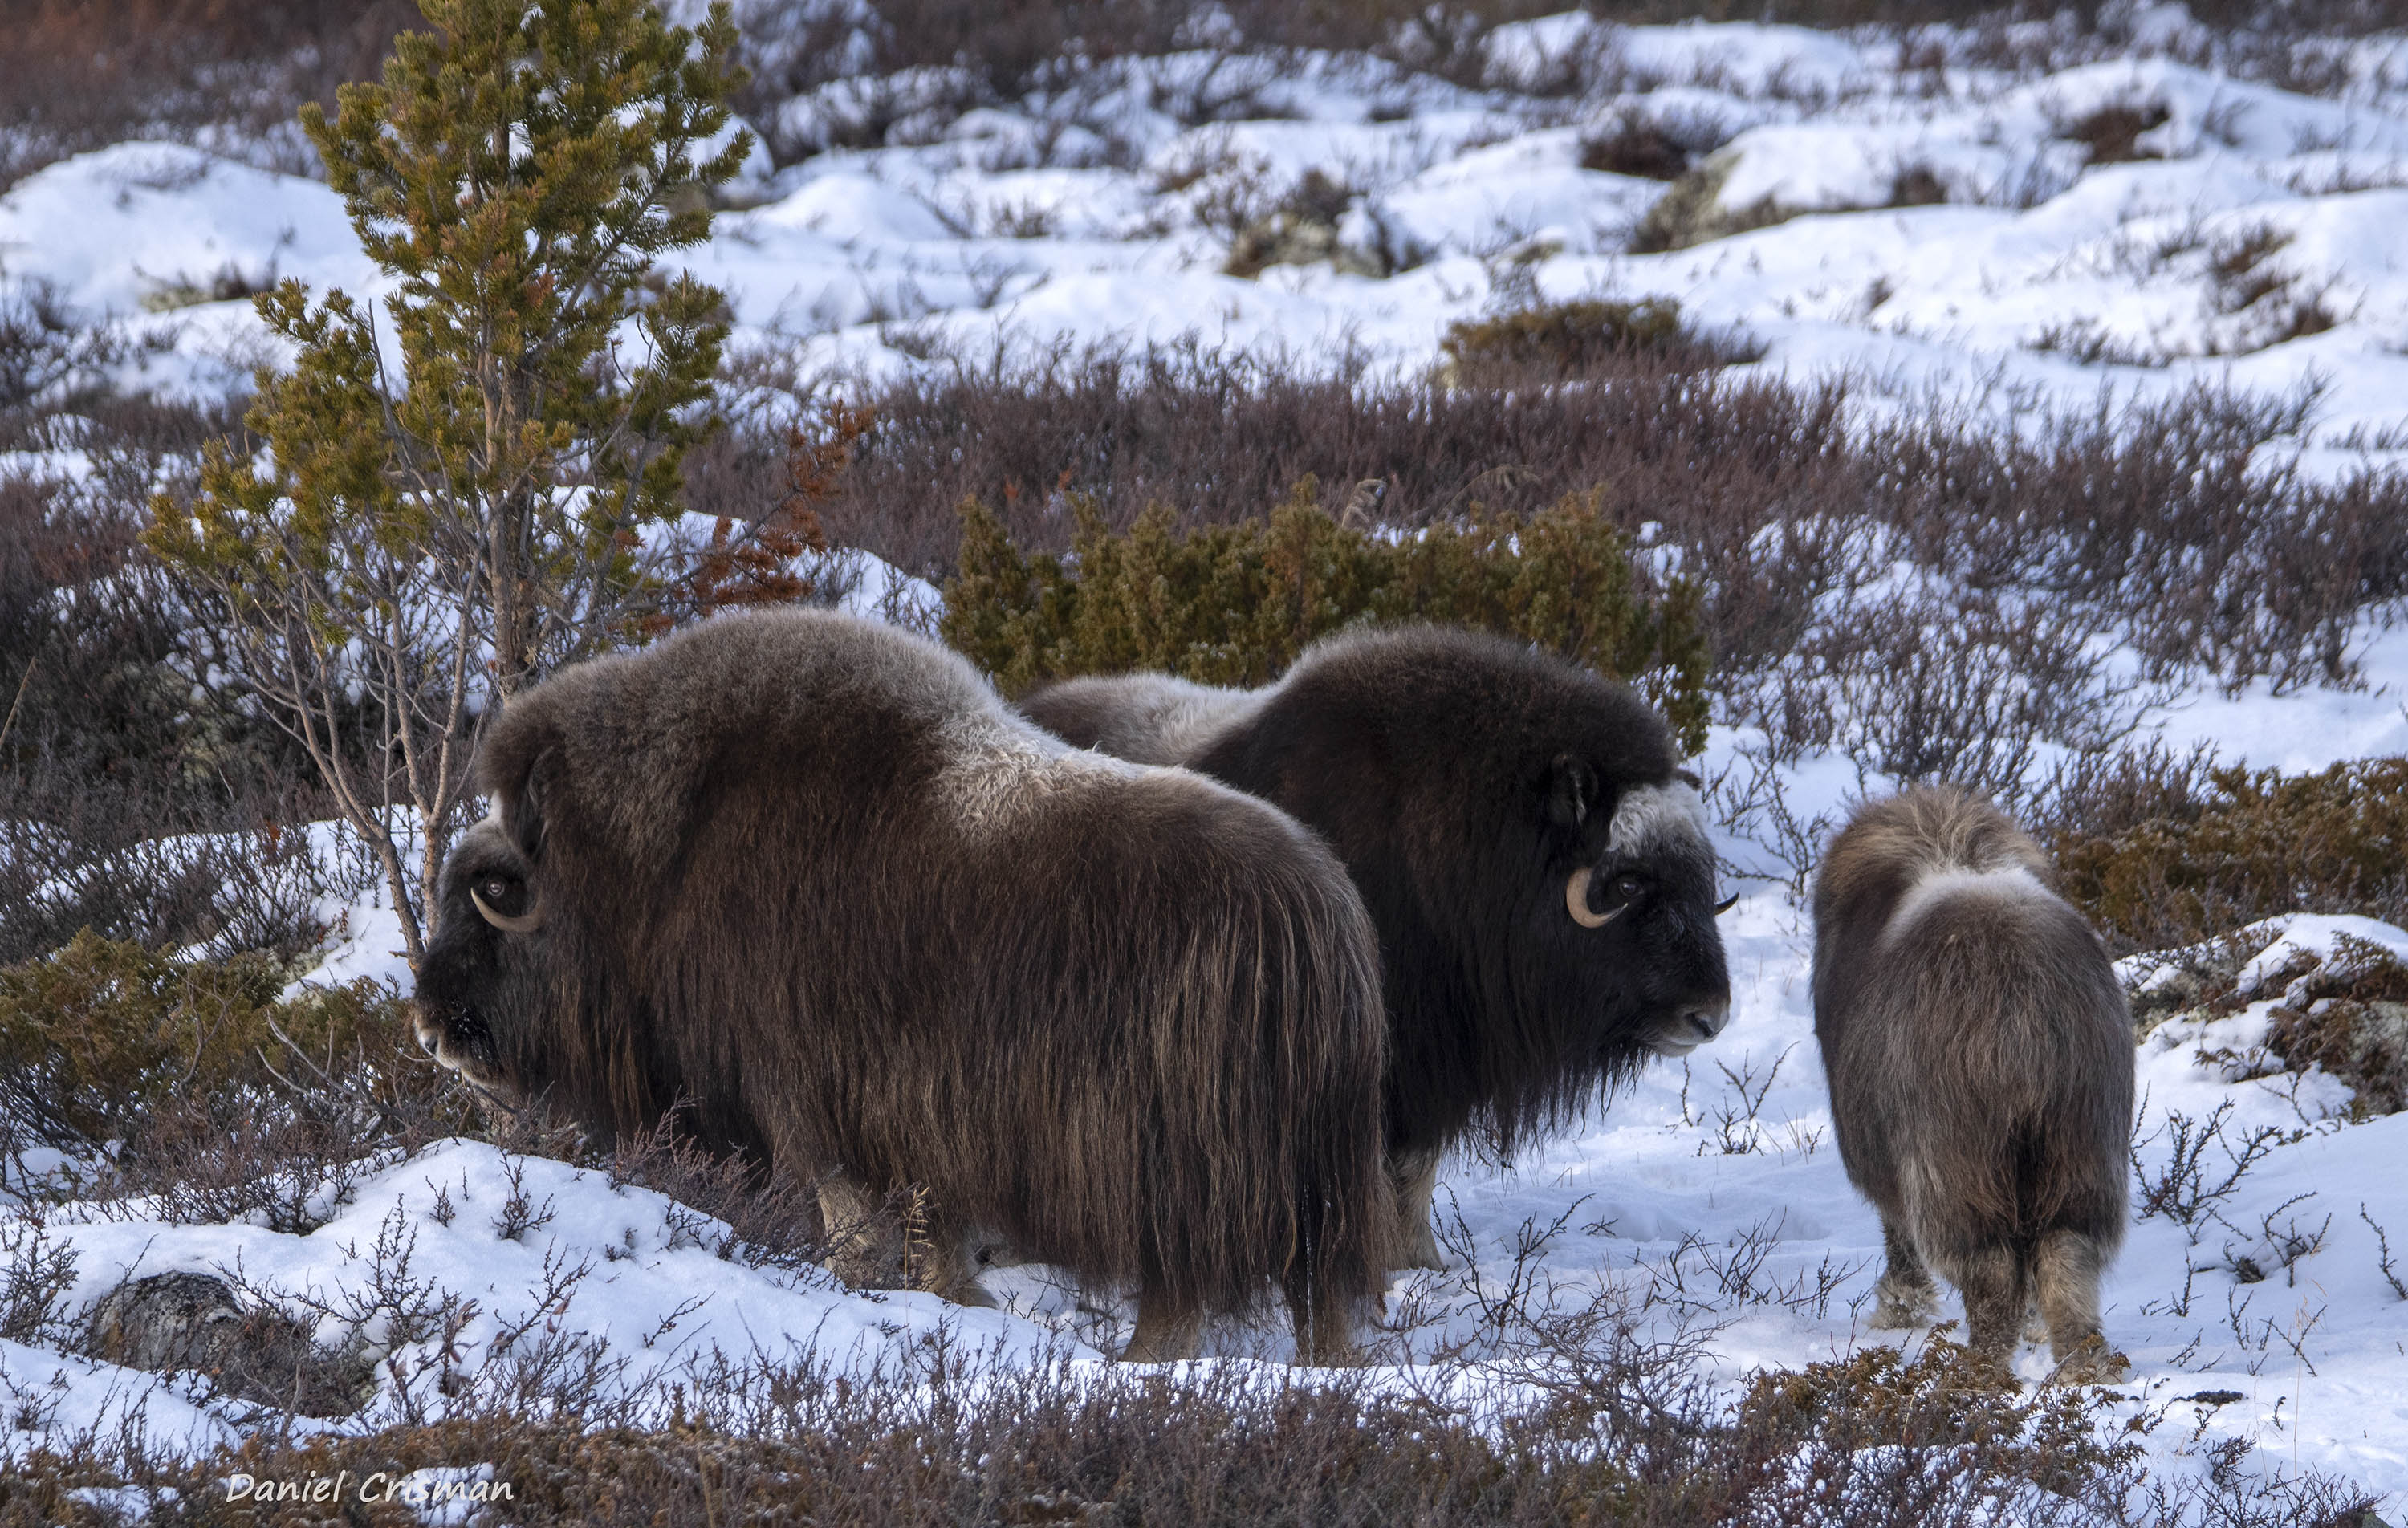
(2035, 229)
(1947, 223)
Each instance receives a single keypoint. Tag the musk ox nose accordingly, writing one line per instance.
(1693, 1024)
(1706, 1020)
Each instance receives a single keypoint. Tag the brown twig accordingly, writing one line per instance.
(28, 678)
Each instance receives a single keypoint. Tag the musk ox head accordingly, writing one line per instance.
(1639, 897)
(484, 979)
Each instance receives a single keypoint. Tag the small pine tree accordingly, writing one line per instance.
(472, 493)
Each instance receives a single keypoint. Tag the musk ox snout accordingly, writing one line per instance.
(1693, 1024)
(1660, 866)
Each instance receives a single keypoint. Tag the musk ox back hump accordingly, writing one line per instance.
(1975, 1037)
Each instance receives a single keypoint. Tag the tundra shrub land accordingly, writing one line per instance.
(1874, 1441)
(224, 1099)
(1585, 479)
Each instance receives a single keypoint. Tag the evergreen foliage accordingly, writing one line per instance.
(1235, 604)
(424, 543)
(101, 1035)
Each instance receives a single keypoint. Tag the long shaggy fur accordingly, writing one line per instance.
(809, 873)
(1979, 1058)
(1463, 777)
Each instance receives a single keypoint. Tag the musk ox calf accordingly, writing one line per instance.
(806, 875)
(1979, 1058)
(1537, 867)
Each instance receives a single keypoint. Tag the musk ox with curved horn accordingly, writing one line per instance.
(1536, 863)
(1980, 1057)
(808, 874)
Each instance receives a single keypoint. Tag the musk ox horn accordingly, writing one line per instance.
(525, 922)
(1576, 900)
(1727, 904)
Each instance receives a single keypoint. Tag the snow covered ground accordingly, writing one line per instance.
(2040, 283)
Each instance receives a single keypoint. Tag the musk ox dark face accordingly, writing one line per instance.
(1636, 928)
(482, 981)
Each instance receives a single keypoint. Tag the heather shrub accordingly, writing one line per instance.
(1874, 1440)
(94, 1037)
(1557, 340)
(131, 801)
(1234, 604)
(2176, 524)
(98, 1037)
(2349, 1016)
(2244, 845)
(75, 76)
(192, 1092)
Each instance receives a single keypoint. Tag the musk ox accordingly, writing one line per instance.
(1535, 861)
(1979, 1059)
(806, 875)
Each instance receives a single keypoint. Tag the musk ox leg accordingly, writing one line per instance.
(1415, 1174)
(2035, 1322)
(1165, 1333)
(1324, 1324)
(1992, 1282)
(1905, 1297)
(872, 1246)
(2065, 1270)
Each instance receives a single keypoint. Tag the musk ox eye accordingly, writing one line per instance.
(1629, 887)
(505, 901)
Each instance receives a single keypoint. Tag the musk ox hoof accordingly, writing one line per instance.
(1164, 1337)
(1420, 1249)
(1901, 1307)
(2091, 1362)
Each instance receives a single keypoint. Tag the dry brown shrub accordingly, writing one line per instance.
(2179, 525)
(1559, 340)
(224, 1099)
(75, 76)
(2351, 1017)
(1874, 1439)
(2245, 845)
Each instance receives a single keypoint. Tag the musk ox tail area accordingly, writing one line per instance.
(1235, 1068)
(1979, 1058)
(810, 871)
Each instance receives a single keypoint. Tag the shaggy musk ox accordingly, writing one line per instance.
(1980, 1057)
(808, 874)
(1535, 863)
